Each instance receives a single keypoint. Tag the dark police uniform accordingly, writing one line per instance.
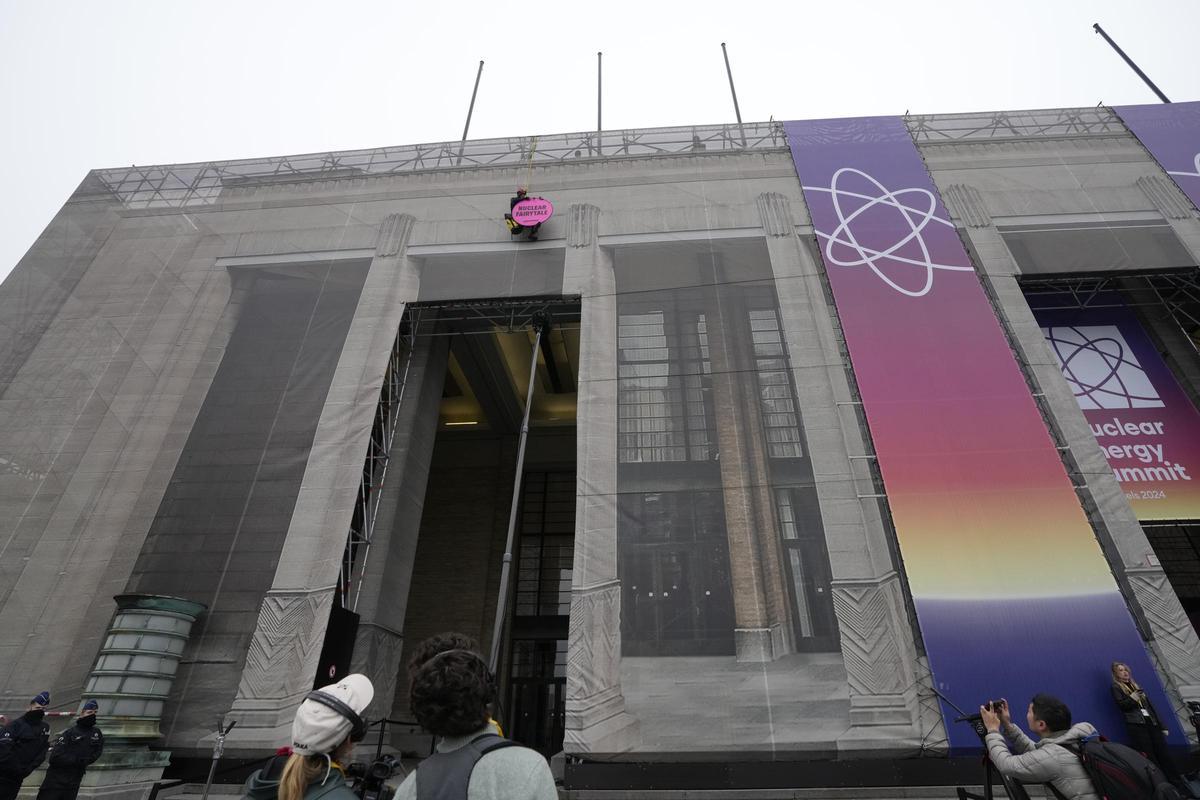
(23, 745)
(72, 752)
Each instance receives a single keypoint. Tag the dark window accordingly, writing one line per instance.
(547, 544)
(675, 582)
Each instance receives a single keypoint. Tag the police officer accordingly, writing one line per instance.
(72, 752)
(23, 745)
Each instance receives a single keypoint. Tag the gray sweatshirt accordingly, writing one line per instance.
(510, 773)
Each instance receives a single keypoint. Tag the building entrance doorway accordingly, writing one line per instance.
(489, 350)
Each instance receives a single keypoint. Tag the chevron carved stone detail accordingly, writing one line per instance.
(869, 645)
(1174, 636)
(594, 641)
(286, 645)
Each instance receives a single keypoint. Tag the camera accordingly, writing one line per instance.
(369, 778)
(996, 706)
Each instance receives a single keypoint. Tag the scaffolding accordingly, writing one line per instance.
(1175, 291)
(375, 466)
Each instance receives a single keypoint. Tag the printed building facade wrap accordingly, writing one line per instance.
(732, 541)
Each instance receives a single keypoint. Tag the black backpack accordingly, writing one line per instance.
(1122, 773)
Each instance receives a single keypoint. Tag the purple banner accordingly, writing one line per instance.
(1144, 422)
(1012, 593)
(1171, 132)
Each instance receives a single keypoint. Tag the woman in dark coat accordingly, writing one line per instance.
(1147, 733)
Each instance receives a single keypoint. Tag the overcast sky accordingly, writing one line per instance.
(106, 83)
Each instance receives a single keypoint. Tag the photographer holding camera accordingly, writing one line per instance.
(1047, 761)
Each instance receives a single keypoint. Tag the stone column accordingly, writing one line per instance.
(287, 641)
(131, 680)
(596, 719)
(1173, 641)
(763, 628)
(889, 680)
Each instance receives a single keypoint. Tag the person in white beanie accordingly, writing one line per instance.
(327, 726)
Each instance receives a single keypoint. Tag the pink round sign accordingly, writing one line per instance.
(532, 211)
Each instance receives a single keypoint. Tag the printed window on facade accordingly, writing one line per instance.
(664, 387)
(674, 541)
(780, 418)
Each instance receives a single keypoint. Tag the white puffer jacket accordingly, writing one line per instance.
(1044, 762)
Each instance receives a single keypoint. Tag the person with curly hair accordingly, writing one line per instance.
(451, 693)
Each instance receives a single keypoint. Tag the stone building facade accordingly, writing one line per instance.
(200, 359)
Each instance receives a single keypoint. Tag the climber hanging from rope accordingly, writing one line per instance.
(526, 214)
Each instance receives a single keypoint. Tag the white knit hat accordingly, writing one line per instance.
(318, 729)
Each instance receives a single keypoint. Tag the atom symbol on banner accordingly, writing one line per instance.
(1182, 174)
(916, 206)
(1102, 371)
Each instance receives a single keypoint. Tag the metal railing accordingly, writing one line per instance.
(204, 183)
(183, 185)
(1010, 125)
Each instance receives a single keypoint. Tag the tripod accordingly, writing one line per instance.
(1011, 787)
(1014, 789)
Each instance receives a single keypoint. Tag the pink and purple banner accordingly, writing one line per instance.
(1012, 593)
(1146, 425)
(1171, 132)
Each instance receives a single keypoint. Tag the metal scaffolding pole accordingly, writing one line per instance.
(599, 91)
(470, 111)
(541, 325)
(1130, 62)
(736, 110)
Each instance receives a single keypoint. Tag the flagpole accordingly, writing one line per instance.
(736, 110)
(1129, 61)
(470, 111)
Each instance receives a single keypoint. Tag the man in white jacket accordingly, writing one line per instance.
(1047, 761)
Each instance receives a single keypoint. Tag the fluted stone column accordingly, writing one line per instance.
(286, 644)
(889, 683)
(131, 681)
(596, 719)
(1174, 644)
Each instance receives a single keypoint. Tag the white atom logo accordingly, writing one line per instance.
(1182, 174)
(843, 247)
(1100, 367)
